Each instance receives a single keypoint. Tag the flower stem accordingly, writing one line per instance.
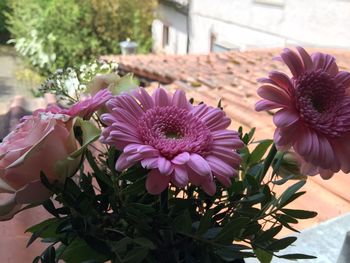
(164, 196)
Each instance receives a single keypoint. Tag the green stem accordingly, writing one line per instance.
(164, 206)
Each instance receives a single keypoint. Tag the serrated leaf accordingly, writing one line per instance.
(281, 243)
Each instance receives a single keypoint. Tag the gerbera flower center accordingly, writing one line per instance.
(317, 91)
(173, 130)
(319, 100)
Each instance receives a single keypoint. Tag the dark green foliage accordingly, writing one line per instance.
(108, 215)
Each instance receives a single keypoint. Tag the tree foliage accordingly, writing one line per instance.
(55, 34)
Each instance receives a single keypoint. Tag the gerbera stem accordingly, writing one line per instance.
(268, 161)
(164, 196)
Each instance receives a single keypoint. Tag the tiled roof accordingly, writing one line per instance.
(231, 77)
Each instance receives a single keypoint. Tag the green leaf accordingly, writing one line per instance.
(50, 207)
(90, 134)
(136, 255)
(49, 255)
(183, 222)
(45, 229)
(284, 180)
(263, 256)
(229, 254)
(260, 151)
(281, 243)
(301, 214)
(232, 230)
(136, 187)
(205, 222)
(79, 251)
(296, 256)
(144, 242)
(288, 194)
(268, 234)
(126, 83)
(254, 199)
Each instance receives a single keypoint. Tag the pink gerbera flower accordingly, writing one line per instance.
(314, 115)
(88, 106)
(84, 108)
(178, 142)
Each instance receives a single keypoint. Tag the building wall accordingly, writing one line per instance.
(177, 24)
(244, 24)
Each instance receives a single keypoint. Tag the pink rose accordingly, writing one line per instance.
(40, 143)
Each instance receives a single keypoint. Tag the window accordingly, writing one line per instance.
(165, 36)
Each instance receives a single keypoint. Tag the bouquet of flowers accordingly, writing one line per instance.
(130, 176)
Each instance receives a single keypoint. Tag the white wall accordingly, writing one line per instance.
(177, 23)
(247, 24)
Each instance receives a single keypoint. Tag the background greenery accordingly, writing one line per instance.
(4, 34)
(54, 34)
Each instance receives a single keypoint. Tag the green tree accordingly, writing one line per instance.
(53, 34)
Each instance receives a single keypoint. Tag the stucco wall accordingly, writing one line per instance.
(248, 24)
(177, 23)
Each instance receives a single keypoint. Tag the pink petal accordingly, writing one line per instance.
(282, 81)
(165, 167)
(147, 151)
(33, 192)
(179, 100)
(209, 188)
(180, 176)
(199, 165)
(123, 163)
(308, 65)
(293, 62)
(161, 98)
(9, 208)
(325, 62)
(199, 110)
(156, 182)
(285, 118)
(150, 163)
(344, 78)
(181, 158)
(273, 94)
(262, 105)
(326, 174)
(144, 98)
(303, 145)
